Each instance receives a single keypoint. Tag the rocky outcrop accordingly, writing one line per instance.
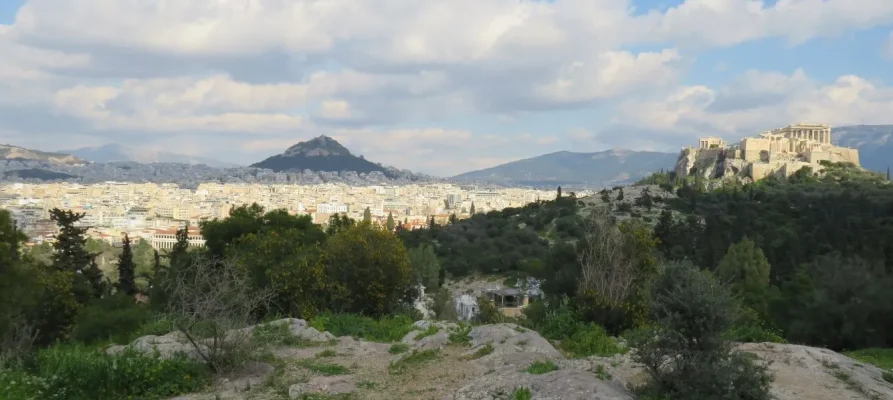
(327, 385)
(167, 346)
(710, 164)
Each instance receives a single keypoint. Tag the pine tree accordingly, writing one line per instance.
(558, 197)
(178, 253)
(620, 195)
(70, 254)
(390, 222)
(472, 208)
(126, 269)
(156, 266)
(367, 216)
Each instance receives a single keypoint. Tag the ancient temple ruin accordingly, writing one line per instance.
(781, 151)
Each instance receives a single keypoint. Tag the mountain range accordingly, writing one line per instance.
(321, 153)
(16, 153)
(605, 168)
(875, 144)
(119, 153)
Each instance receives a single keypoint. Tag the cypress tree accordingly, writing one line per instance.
(472, 208)
(126, 269)
(177, 254)
(390, 223)
(367, 216)
(70, 254)
(558, 197)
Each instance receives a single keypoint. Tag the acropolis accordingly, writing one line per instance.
(781, 151)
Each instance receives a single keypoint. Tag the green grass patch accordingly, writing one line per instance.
(398, 348)
(327, 353)
(484, 351)
(461, 336)
(387, 329)
(412, 360)
(367, 385)
(316, 396)
(522, 393)
(541, 367)
(327, 369)
(591, 340)
(81, 373)
(882, 358)
(277, 334)
(432, 330)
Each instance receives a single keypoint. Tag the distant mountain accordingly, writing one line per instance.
(15, 153)
(116, 153)
(606, 168)
(321, 153)
(875, 144)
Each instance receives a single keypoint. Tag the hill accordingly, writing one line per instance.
(15, 153)
(321, 153)
(119, 153)
(606, 168)
(39, 174)
(875, 144)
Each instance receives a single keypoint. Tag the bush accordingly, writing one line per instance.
(487, 312)
(685, 353)
(114, 318)
(386, 329)
(541, 367)
(80, 373)
(591, 340)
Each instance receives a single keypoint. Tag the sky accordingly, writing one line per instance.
(435, 86)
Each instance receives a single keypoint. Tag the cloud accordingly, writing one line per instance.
(887, 48)
(248, 78)
(755, 102)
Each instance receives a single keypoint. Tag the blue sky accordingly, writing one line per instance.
(436, 87)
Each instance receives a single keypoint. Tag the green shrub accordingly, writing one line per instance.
(488, 313)
(541, 367)
(685, 352)
(432, 330)
(386, 329)
(522, 394)
(277, 334)
(80, 373)
(461, 336)
(591, 340)
(882, 358)
(560, 324)
(115, 318)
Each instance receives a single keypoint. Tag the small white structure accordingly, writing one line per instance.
(422, 304)
(466, 307)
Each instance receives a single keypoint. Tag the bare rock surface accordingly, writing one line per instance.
(167, 346)
(557, 385)
(324, 385)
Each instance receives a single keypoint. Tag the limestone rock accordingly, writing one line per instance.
(557, 385)
(324, 385)
(436, 341)
(167, 346)
(511, 339)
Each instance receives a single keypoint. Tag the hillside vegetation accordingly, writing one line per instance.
(680, 273)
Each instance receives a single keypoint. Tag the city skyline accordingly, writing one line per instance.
(438, 88)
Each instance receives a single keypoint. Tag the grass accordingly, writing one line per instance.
(387, 329)
(461, 336)
(366, 385)
(882, 358)
(432, 330)
(591, 340)
(327, 353)
(484, 351)
(277, 334)
(541, 367)
(602, 373)
(412, 360)
(522, 393)
(82, 373)
(327, 369)
(316, 396)
(398, 348)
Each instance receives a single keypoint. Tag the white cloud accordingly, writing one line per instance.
(270, 72)
(755, 102)
(887, 48)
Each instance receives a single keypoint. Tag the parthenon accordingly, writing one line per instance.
(779, 151)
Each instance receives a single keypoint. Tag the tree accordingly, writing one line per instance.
(10, 241)
(471, 212)
(684, 351)
(126, 269)
(453, 219)
(209, 300)
(178, 253)
(746, 269)
(425, 266)
(367, 216)
(620, 195)
(431, 223)
(156, 263)
(369, 269)
(390, 222)
(70, 255)
(338, 222)
(558, 196)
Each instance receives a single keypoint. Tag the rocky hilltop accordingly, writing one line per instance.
(442, 360)
(15, 153)
(321, 153)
